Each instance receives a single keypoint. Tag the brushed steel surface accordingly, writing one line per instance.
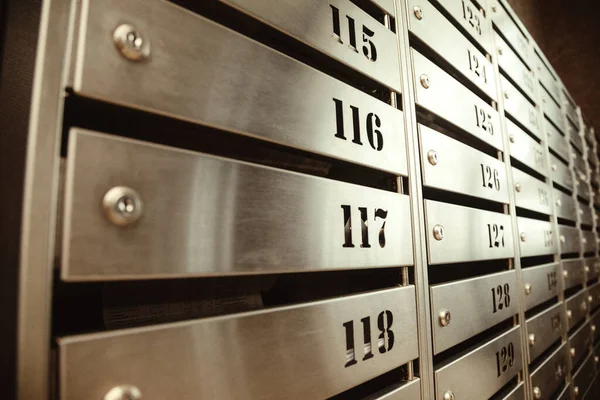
(571, 111)
(595, 322)
(584, 376)
(576, 306)
(513, 35)
(533, 194)
(525, 149)
(556, 140)
(538, 235)
(560, 173)
(543, 281)
(551, 374)
(460, 168)
(310, 22)
(406, 391)
(578, 162)
(565, 205)
(594, 293)
(575, 274)
(583, 189)
(579, 343)
(519, 107)
(452, 101)
(547, 79)
(517, 393)
(202, 81)
(266, 351)
(574, 136)
(510, 63)
(474, 376)
(450, 44)
(588, 240)
(472, 19)
(469, 234)
(547, 327)
(219, 215)
(586, 215)
(551, 109)
(475, 305)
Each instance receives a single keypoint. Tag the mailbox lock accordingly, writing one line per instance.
(566, 274)
(531, 338)
(448, 395)
(506, 94)
(553, 167)
(569, 314)
(572, 351)
(527, 289)
(124, 392)
(590, 299)
(558, 203)
(418, 12)
(523, 237)
(131, 43)
(593, 327)
(444, 317)
(518, 187)
(494, 7)
(562, 238)
(425, 81)
(438, 232)
(432, 156)
(500, 51)
(511, 138)
(596, 359)
(586, 269)
(576, 390)
(122, 205)
(537, 393)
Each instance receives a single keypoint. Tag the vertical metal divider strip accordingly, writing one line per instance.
(511, 208)
(416, 205)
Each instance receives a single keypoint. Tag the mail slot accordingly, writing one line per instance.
(457, 234)
(573, 273)
(201, 81)
(565, 205)
(471, 18)
(545, 328)
(450, 44)
(579, 343)
(525, 149)
(450, 165)
(519, 107)
(218, 214)
(490, 365)
(474, 304)
(535, 237)
(531, 193)
(547, 78)
(551, 109)
(449, 99)
(576, 306)
(569, 239)
(509, 29)
(334, 328)
(551, 374)
(514, 67)
(556, 140)
(540, 283)
(560, 173)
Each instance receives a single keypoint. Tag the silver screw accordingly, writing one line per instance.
(596, 359)
(565, 274)
(448, 395)
(593, 327)
(122, 206)
(576, 390)
(553, 167)
(418, 12)
(562, 238)
(569, 314)
(558, 203)
(444, 317)
(518, 187)
(438, 232)
(425, 81)
(511, 138)
(531, 338)
(523, 237)
(506, 94)
(124, 392)
(572, 351)
(537, 393)
(432, 156)
(590, 299)
(586, 269)
(494, 7)
(527, 289)
(500, 51)
(131, 43)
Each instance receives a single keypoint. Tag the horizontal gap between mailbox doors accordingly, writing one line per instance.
(562, 188)
(566, 222)
(544, 356)
(522, 212)
(517, 86)
(541, 307)
(525, 168)
(372, 389)
(542, 57)
(572, 290)
(271, 37)
(566, 256)
(154, 128)
(560, 157)
(516, 122)
(444, 273)
(536, 261)
(462, 200)
(99, 306)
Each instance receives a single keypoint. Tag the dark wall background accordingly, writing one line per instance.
(568, 32)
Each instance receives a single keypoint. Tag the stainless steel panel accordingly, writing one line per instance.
(219, 216)
(474, 305)
(551, 374)
(450, 165)
(594, 294)
(535, 237)
(565, 394)
(573, 273)
(565, 205)
(571, 111)
(578, 162)
(449, 99)
(583, 377)
(525, 149)
(560, 173)
(406, 391)
(519, 107)
(540, 283)
(511, 32)
(376, 53)
(544, 329)
(556, 140)
(517, 393)
(447, 41)
(586, 214)
(583, 189)
(490, 366)
(315, 341)
(468, 234)
(531, 193)
(472, 19)
(570, 241)
(595, 327)
(579, 343)
(547, 79)
(514, 67)
(551, 109)
(591, 268)
(576, 306)
(588, 241)
(573, 134)
(202, 81)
